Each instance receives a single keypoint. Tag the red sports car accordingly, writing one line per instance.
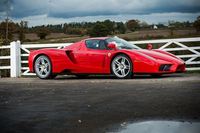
(104, 55)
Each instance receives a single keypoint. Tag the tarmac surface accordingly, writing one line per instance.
(95, 104)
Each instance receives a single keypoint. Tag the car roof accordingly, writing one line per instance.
(99, 38)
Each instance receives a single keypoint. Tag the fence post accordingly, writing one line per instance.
(15, 60)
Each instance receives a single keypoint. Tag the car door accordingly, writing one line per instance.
(91, 58)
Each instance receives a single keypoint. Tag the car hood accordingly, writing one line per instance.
(160, 56)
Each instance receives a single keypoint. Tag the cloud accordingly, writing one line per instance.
(5, 6)
(39, 12)
(150, 18)
(25, 8)
(81, 8)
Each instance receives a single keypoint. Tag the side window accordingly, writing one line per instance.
(102, 44)
(96, 44)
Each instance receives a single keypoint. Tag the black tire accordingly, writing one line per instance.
(43, 67)
(123, 69)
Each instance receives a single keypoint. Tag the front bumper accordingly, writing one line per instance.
(171, 68)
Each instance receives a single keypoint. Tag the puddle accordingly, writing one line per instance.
(160, 127)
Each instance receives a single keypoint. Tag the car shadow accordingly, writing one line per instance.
(72, 77)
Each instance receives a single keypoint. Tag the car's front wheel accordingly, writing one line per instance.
(43, 67)
(122, 66)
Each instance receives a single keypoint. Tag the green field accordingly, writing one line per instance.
(131, 36)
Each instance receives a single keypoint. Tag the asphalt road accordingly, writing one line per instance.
(95, 104)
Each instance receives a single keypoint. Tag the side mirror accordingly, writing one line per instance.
(112, 46)
(149, 46)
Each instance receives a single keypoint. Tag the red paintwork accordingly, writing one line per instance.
(77, 58)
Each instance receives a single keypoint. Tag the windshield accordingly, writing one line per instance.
(121, 43)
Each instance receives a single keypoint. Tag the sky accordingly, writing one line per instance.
(38, 12)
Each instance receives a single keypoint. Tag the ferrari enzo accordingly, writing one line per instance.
(103, 55)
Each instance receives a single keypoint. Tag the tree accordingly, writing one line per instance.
(143, 25)
(161, 25)
(176, 24)
(23, 26)
(197, 24)
(110, 26)
(76, 31)
(99, 30)
(11, 29)
(172, 25)
(42, 32)
(120, 27)
(133, 24)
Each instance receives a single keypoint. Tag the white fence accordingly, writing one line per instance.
(19, 53)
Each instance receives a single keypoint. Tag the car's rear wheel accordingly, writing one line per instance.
(122, 66)
(43, 67)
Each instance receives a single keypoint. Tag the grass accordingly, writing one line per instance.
(57, 40)
(131, 36)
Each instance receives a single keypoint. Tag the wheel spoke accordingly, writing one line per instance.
(117, 70)
(41, 72)
(123, 60)
(38, 66)
(117, 62)
(42, 61)
(123, 72)
(45, 71)
(46, 65)
(127, 67)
